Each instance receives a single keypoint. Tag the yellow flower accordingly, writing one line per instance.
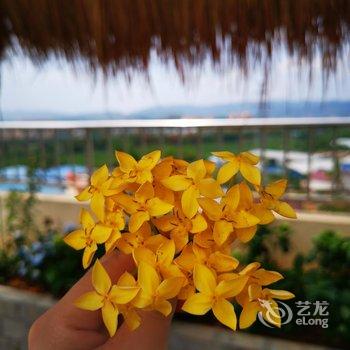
(160, 255)
(142, 206)
(244, 162)
(228, 216)
(106, 297)
(155, 293)
(88, 237)
(179, 226)
(115, 219)
(130, 315)
(131, 240)
(133, 171)
(261, 300)
(256, 275)
(192, 255)
(270, 196)
(194, 184)
(99, 188)
(213, 295)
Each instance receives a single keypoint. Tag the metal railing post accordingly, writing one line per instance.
(285, 145)
(309, 159)
(262, 132)
(336, 180)
(89, 156)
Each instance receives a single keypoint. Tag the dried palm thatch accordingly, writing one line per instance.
(121, 35)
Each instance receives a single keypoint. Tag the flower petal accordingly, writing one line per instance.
(100, 279)
(170, 287)
(176, 182)
(222, 262)
(76, 239)
(126, 202)
(123, 295)
(199, 224)
(99, 176)
(248, 314)
(110, 317)
(126, 280)
(231, 287)
(249, 157)
(267, 277)
(164, 307)
(227, 171)
(144, 254)
(126, 161)
(162, 170)
(210, 188)
(264, 215)
(157, 207)
(250, 172)
(84, 195)
(137, 220)
(166, 252)
(132, 319)
(244, 219)
(285, 210)
(212, 208)
(144, 192)
(198, 304)
(196, 170)
(225, 313)
(86, 219)
(245, 196)
(204, 279)
(209, 166)
(250, 268)
(101, 233)
(280, 294)
(276, 188)
(88, 254)
(221, 232)
(233, 197)
(149, 160)
(254, 291)
(148, 278)
(98, 205)
(189, 202)
(223, 155)
(246, 234)
(89, 301)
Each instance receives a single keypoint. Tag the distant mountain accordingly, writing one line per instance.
(269, 109)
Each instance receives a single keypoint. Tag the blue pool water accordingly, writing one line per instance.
(14, 178)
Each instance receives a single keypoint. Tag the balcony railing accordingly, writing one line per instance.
(313, 153)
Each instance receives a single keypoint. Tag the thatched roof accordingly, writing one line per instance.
(119, 35)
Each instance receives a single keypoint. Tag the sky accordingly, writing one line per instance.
(56, 87)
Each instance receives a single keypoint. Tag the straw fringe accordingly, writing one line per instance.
(120, 35)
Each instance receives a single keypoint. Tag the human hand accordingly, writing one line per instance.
(66, 327)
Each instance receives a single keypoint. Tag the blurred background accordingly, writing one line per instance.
(80, 79)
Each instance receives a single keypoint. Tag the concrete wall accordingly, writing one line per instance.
(19, 309)
(64, 211)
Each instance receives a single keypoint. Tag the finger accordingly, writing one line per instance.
(153, 333)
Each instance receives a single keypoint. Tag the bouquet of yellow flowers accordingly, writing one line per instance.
(179, 221)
